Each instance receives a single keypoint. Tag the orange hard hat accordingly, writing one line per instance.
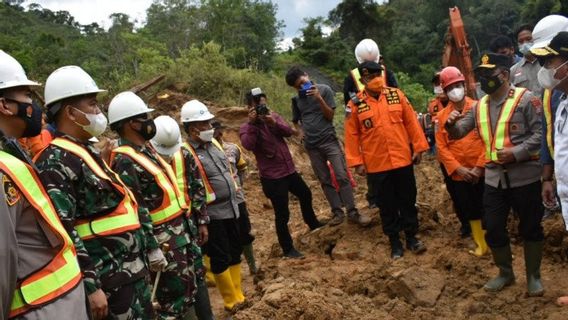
(449, 76)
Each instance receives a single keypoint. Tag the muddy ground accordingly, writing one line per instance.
(348, 273)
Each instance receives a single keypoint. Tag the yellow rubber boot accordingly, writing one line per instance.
(236, 276)
(209, 278)
(479, 238)
(227, 289)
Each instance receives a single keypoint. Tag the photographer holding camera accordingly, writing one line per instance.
(264, 135)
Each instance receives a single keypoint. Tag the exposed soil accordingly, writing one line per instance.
(348, 274)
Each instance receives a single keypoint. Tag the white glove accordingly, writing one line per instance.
(157, 260)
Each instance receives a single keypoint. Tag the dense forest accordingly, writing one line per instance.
(221, 48)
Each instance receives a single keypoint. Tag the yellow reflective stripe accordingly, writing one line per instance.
(105, 225)
(485, 127)
(357, 79)
(83, 154)
(178, 168)
(108, 224)
(173, 180)
(209, 192)
(33, 290)
(547, 106)
(159, 215)
(497, 141)
(51, 282)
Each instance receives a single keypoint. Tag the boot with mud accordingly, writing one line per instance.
(503, 259)
(337, 219)
(479, 239)
(414, 245)
(533, 258)
(209, 278)
(235, 271)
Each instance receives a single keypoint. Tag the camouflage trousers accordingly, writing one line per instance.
(177, 288)
(198, 265)
(131, 301)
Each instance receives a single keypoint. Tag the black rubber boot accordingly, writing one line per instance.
(533, 258)
(503, 259)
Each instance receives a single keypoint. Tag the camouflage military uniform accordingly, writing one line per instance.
(177, 287)
(109, 263)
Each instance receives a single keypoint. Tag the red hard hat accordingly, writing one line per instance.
(449, 76)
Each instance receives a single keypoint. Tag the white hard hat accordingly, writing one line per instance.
(125, 105)
(12, 73)
(194, 110)
(68, 81)
(167, 140)
(547, 28)
(367, 50)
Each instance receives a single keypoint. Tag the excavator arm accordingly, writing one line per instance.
(457, 51)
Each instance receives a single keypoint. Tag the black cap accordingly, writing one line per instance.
(370, 67)
(558, 46)
(490, 60)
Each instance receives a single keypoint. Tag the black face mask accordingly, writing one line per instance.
(490, 84)
(147, 129)
(31, 114)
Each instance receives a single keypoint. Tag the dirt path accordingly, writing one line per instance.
(348, 274)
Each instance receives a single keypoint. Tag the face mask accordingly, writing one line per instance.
(546, 77)
(490, 84)
(147, 129)
(438, 90)
(31, 114)
(456, 94)
(525, 48)
(375, 85)
(207, 135)
(97, 123)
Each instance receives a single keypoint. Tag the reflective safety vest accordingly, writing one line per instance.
(500, 138)
(357, 78)
(179, 168)
(547, 108)
(62, 273)
(173, 203)
(125, 215)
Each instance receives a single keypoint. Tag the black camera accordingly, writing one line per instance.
(261, 110)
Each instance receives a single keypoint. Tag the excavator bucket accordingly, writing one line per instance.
(457, 51)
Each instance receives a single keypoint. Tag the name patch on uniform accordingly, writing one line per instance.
(392, 97)
(368, 123)
(12, 194)
(362, 108)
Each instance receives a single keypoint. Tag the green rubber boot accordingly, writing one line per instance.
(533, 258)
(504, 261)
(249, 257)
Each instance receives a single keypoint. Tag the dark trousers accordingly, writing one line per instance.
(395, 191)
(468, 200)
(244, 225)
(525, 201)
(277, 191)
(224, 246)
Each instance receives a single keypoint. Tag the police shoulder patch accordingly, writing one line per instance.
(537, 104)
(11, 193)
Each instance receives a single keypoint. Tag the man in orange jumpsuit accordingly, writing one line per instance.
(463, 159)
(377, 137)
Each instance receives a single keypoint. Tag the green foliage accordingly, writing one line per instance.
(416, 93)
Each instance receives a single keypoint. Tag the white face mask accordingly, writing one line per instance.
(456, 94)
(525, 47)
(438, 90)
(97, 123)
(546, 77)
(206, 135)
